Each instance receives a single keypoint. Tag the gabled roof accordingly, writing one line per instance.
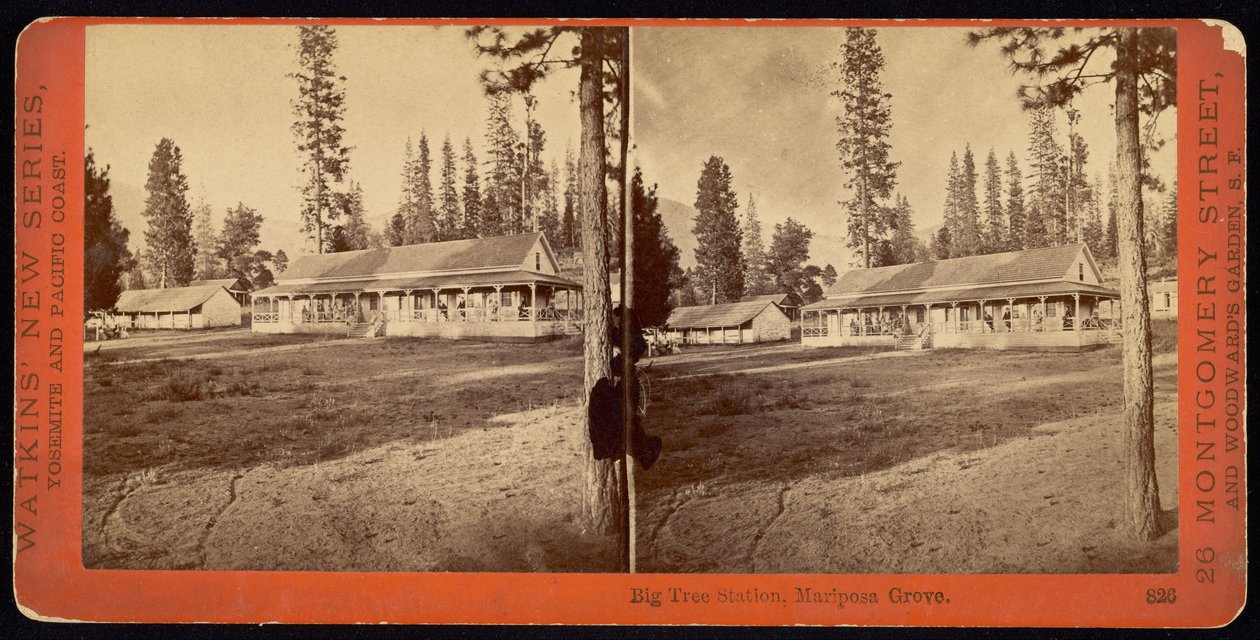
(782, 299)
(165, 300)
(992, 292)
(500, 252)
(730, 314)
(231, 284)
(417, 283)
(1044, 263)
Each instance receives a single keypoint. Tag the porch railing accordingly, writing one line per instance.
(814, 332)
(482, 314)
(265, 317)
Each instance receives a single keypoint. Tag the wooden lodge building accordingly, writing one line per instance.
(757, 319)
(194, 307)
(1047, 298)
(498, 288)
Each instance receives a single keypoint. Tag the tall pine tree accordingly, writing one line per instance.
(1143, 72)
(420, 224)
(471, 224)
(206, 266)
(656, 270)
(863, 146)
(756, 278)
(1016, 215)
(503, 185)
(994, 218)
(572, 236)
(106, 258)
(319, 109)
(448, 217)
(357, 233)
(719, 264)
(968, 242)
(169, 236)
(1045, 221)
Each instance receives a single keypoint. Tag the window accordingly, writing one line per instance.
(1052, 309)
(537, 261)
(1080, 270)
(1167, 300)
(918, 315)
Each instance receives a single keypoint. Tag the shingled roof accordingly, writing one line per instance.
(500, 252)
(781, 299)
(238, 284)
(165, 300)
(731, 314)
(1012, 266)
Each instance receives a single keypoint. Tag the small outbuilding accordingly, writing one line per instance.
(200, 307)
(747, 321)
(1163, 297)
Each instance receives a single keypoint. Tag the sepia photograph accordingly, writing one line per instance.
(336, 296)
(903, 251)
(744, 299)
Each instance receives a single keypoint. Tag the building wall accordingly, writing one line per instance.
(1163, 298)
(770, 325)
(221, 310)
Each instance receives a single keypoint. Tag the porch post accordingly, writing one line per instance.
(498, 299)
(404, 309)
(1076, 321)
(927, 315)
(467, 302)
(980, 317)
(437, 313)
(954, 306)
(1010, 311)
(533, 301)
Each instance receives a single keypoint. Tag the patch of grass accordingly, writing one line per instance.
(242, 388)
(105, 381)
(1164, 336)
(162, 413)
(185, 386)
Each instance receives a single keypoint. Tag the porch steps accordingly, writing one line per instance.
(908, 342)
(360, 330)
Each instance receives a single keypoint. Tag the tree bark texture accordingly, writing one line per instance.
(601, 503)
(1141, 487)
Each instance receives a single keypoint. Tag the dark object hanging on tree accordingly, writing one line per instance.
(606, 429)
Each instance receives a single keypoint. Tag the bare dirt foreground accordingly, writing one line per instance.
(495, 500)
(410, 455)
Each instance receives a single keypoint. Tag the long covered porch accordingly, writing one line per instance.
(545, 307)
(996, 318)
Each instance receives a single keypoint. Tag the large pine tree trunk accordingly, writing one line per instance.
(601, 503)
(1141, 489)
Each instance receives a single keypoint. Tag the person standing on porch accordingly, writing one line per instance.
(1068, 320)
(1006, 319)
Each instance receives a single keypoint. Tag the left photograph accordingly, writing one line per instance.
(339, 284)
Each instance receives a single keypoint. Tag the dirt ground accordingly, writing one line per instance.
(416, 455)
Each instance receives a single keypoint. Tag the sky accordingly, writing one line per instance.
(221, 93)
(759, 97)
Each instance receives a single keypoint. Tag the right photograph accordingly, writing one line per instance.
(913, 293)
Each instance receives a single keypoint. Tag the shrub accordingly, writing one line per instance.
(185, 386)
